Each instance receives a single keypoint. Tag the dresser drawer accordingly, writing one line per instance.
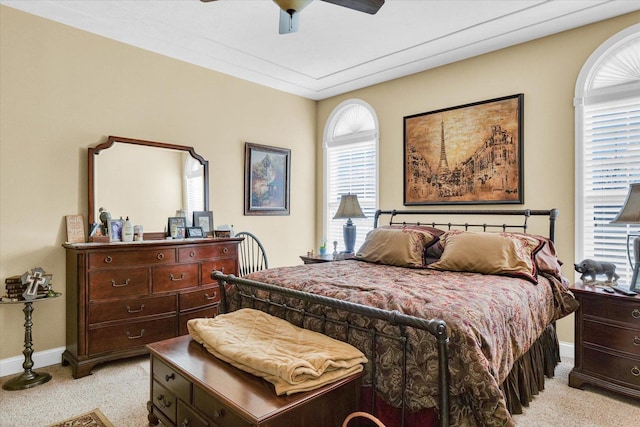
(118, 283)
(626, 312)
(171, 379)
(131, 308)
(199, 298)
(226, 266)
(173, 277)
(614, 337)
(164, 400)
(205, 313)
(200, 253)
(189, 417)
(132, 334)
(216, 411)
(132, 258)
(625, 370)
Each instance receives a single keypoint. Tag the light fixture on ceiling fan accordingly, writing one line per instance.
(290, 10)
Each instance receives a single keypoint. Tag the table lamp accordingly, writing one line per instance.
(349, 208)
(630, 214)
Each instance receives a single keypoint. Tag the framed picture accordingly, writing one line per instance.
(195, 232)
(267, 172)
(204, 220)
(75, 228)
(114, 229)
(181, 232)
(176, 222)
(470, 154)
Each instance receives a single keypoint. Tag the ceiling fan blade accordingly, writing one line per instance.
(206, 1)
(289, 21)
(367, 6)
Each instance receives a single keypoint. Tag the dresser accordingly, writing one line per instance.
(122, 296)
(190, 387)
(607, 341)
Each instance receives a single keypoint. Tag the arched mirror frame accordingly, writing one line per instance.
(94, 151)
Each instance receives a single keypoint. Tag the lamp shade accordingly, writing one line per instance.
(630, 212)
(349, 207)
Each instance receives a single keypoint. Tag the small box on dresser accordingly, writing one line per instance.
(607, 341)
(122, 296)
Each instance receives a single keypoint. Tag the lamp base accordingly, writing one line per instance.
(349, 235)
(636, 265)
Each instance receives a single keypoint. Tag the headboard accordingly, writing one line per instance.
(406, 217)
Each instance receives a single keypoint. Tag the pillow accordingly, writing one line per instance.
(399, 246)
(430, 255)
(503, 254)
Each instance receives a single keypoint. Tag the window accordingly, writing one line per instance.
(350, 166)
(607, 107)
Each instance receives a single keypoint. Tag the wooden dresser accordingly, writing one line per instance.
(190, 387)
(607, 341)
(122, 296)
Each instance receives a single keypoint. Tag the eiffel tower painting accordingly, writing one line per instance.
(443, 167)
(468, 154)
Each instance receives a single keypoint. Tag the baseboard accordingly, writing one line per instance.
(13, 365)
(566, 351)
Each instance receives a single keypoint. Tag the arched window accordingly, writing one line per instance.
(607, 108)
(350, 166)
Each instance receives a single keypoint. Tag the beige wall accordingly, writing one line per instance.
(544, 70)
(63, 90)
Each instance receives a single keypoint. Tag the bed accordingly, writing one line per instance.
(455, 311)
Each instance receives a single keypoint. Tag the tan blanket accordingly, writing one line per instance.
(291, 358)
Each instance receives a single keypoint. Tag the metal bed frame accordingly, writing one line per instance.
(260, 295)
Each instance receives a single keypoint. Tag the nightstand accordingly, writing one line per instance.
(315, 259)
(607, 341)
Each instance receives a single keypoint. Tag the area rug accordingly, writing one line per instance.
(94, 418)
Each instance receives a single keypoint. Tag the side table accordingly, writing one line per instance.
(28, 378)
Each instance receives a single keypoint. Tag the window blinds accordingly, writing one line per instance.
(611, 162)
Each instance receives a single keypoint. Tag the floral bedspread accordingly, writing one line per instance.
(492, 321)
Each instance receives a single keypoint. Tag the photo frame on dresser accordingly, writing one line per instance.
(114, 227)
(204, 220)
(468, 154)
(173, 226)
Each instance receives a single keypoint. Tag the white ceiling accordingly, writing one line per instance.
(337, 49)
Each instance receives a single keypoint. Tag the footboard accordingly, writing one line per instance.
(310, 311)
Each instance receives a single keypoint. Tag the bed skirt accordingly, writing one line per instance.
(524, 382)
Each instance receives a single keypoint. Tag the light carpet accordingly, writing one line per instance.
(121, 390)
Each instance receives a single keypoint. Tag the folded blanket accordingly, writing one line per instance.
(291, 358)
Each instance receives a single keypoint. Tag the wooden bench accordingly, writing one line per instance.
(191, 387)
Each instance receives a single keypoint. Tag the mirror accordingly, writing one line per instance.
(146, 181)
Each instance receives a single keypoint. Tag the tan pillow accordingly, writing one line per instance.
(402, 247)
(503, 254)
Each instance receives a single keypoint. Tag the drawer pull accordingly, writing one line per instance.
(160, 256)
(169, 377)
(635, 371)
(173, 279)
(215, 295)
(192, 254)
(636, 340)
(108, 259)
(225, 250)
(218, 414)
(186, 423)
(166, 403)
(135, 311)
(135, 337)
(635, 313)
(115, 285)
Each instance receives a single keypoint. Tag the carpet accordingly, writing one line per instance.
(94, 418)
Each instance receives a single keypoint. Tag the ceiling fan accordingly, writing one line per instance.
(290, 10)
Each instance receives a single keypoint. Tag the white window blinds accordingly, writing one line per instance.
(350, 167)
(611, 162)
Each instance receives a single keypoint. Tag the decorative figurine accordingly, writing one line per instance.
(105, 216)
(589, 267)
